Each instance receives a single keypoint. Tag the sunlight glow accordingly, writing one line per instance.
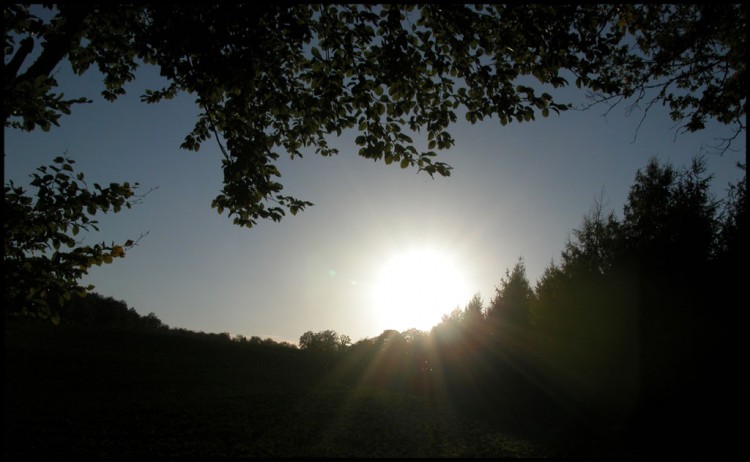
(415, 288)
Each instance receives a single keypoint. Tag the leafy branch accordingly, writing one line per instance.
(42, 261)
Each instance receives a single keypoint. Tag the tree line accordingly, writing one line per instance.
(104, 312)
(641, 323)
(632, 304)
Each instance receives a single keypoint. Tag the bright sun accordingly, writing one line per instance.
(415, 289)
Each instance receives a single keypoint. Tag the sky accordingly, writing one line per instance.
(382, 248)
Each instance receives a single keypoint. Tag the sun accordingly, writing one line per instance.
(415, 288)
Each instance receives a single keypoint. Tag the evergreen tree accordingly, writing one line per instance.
(473, 316)
(512, 303)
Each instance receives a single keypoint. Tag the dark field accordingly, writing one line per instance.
(82, 391)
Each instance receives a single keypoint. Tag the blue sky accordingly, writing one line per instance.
(515, 191)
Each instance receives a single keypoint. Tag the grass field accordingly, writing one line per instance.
(73, 391)
(85, 391)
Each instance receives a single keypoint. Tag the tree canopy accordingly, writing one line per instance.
(274, 79)
(324, 341)
(280, 79)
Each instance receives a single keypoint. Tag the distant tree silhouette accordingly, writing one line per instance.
(595, 245)
(324, 341)
(94, 309)
(462, 331)
(511, 306)
(473, 316)
(548, 294)
(449, 327)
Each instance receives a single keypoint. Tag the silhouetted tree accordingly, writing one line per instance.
(668, 211)
(595, 245)
(151, 322)
(584, 320)
(733, 232)
(276, 78)
(730, 272)
(93, 309)
(548, 293)
(685, 336)
(281, 77)
(324, 341)
(669, 229)
(473, 316)
(449, 327)
(649, 291)
(511, 306)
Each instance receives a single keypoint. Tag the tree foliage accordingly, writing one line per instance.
(462, 324)
(324, 341)
(652, 303)
(594, 246)
(274, 79)
(42, 260)
(689, 57)
(512, 303)
(668, 211)
(93, 309)
(733, 232)
(666, 243)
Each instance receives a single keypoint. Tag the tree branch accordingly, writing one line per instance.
(58, 44)
(11, 69)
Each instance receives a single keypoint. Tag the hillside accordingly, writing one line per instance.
(76, 391)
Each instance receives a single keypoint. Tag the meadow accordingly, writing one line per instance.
(78, 391)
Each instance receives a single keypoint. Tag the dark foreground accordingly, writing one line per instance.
(82, 392)
(74, 391)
